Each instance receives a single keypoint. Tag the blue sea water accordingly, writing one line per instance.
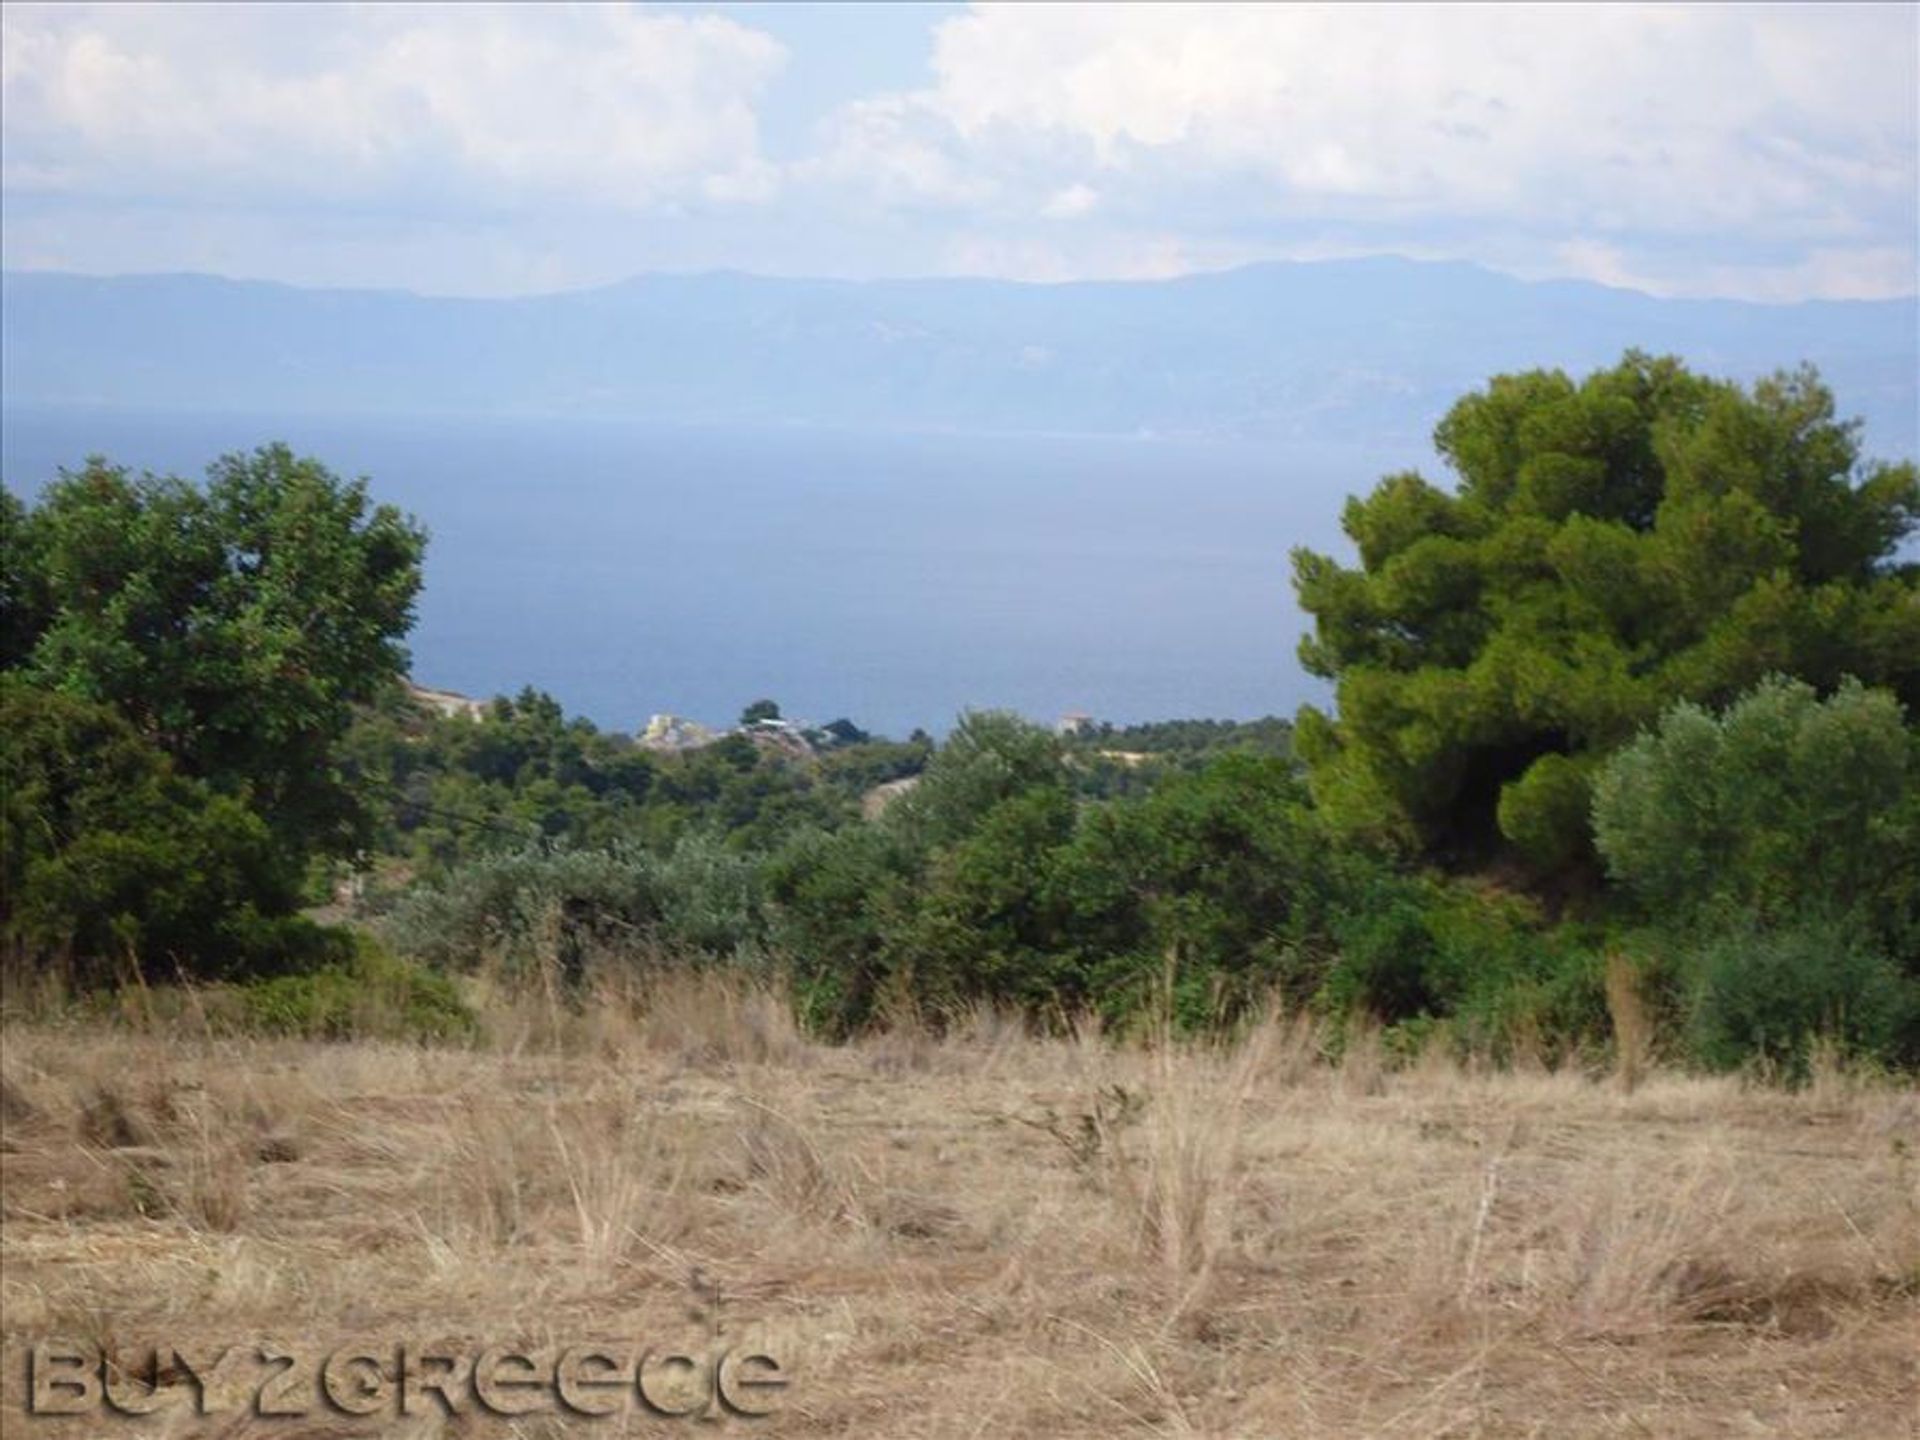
(894, 579)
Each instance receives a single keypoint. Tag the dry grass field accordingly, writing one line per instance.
(979, 1235)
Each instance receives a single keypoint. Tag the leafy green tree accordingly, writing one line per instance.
(759, 710)
(943, 896)
(1613, 545)
(986, 925)
(839, 902)
(1785, 807)
(110, 858)
(234, 626)
(1224, 874)
(23, 601)
(991, 756)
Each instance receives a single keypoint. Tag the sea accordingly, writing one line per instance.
(894, 579)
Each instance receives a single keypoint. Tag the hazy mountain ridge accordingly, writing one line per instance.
(1333, 350)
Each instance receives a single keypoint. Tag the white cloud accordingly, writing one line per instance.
(1604, 264)
(1653, 116)
(1869, 272)
(1578, 125)
(1755, 151)
(1071, 202)
(888, 150)
(495, 106)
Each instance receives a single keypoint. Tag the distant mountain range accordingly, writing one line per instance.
(1330, 351)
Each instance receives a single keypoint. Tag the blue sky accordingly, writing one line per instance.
(1764, 152)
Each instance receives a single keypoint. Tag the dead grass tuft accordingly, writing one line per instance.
(981, 1231)
(1632, 1030)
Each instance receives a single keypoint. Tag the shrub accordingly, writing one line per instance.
(108, 856)
(1769, 994)
(369, 994)
(709, 897)
(1225, 873)
(1783, 805)
(528, 909)
(1387, 955)
(990, 757)
(562, 908)
(1486, 962)
(986, 925)
(837, 902)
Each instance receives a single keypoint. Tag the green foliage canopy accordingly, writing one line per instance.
(1785, 807)
(109, 856)
(1645, 535)
(234, 626)
(994, 880)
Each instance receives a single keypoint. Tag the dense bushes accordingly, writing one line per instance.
(1765, 857)
(517, 912)
(1224, 875)
(1773, 851)
(1560, 763)
(1770, 994)
(1784, 805)
(995, 881)
(115, 862)
(992, 880)
(451, 789)
(367, 993)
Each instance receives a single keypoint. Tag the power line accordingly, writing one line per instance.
(528, 830)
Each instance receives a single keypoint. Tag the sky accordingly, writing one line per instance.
(1753, 152)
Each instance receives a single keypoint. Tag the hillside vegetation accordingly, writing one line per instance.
(1524, 1048)
(1625, 718)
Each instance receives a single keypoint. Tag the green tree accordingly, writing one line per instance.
(1642, 536)
(943, 898)
(23, 603)
(839, 900)
(990, 757)
(760, 710)
(109, 857)
(1223, 873)
(985, 924)
(235, 626)
(1785, 807)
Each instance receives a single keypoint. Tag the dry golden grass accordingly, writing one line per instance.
(982, 1234)
(1632, 1031)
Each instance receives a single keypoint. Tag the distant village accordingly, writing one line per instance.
(670, 734)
